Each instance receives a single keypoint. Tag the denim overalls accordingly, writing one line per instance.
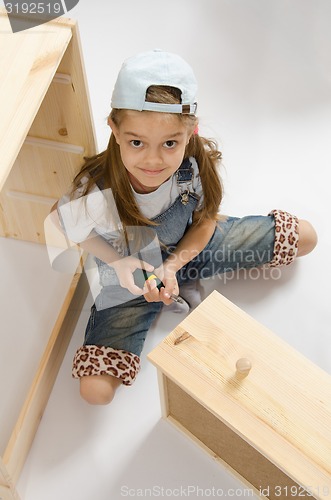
(115, 334)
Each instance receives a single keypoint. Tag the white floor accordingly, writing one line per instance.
(264, 70)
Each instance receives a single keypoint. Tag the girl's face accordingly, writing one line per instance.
(152, 146)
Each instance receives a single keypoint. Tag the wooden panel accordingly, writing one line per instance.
(38, 178)
(51, 151)
(251, 465)
(282, 408)
(28, 62)
(34, 406)
(65, 114)
(59, 115)
(45, 130)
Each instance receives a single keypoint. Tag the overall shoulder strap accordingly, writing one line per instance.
(185, 172)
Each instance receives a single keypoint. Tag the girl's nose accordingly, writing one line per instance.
(153, 156)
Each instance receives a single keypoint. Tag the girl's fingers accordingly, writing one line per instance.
(135, 290)
(151, 292)
(169, 289)
(165, 297)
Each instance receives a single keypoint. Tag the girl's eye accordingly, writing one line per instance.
(136, 143)
(170, 144)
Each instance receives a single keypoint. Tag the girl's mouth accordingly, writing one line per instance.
(152, 173)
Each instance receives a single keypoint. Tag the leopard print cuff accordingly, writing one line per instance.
(100, 360)
(286, 238)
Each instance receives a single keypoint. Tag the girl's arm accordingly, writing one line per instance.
(100, 248)
(124, 266)
(94, 244)
(192, 243)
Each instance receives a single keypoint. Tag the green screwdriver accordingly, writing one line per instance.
(141, 276)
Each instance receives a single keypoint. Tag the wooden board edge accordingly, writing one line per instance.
(7, 487)
(172, 421)
(34, 406)
(163, 393)
(81, 69)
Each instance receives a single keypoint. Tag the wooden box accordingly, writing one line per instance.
(266, 417)
(45, 131)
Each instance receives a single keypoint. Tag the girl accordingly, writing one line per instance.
(157, 181)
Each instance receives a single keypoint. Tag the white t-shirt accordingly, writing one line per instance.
(97, 210)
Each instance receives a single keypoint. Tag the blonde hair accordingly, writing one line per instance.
(107, 169)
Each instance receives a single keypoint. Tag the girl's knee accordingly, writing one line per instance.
(307, 238)
(99, 389)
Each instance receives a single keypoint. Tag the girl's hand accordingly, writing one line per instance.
(168, 277)
(125, 268)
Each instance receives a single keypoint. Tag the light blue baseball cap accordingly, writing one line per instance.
(154, 67)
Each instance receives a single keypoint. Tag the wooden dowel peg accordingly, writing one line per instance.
(243, 366)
